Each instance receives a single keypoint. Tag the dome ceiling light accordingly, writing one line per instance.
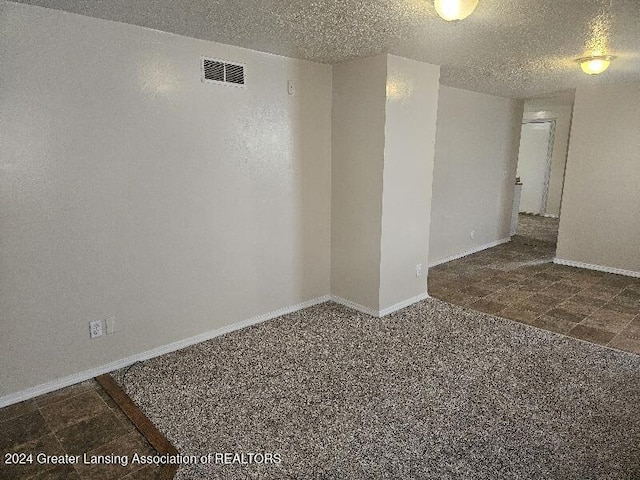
(595, 65)
(452, 10)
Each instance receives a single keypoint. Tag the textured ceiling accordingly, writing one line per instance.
(514, 48)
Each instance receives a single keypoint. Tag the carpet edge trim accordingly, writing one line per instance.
(145, 426)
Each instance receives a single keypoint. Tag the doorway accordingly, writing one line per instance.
(534, 165)
(530, 223)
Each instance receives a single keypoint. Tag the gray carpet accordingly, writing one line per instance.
(432, 392)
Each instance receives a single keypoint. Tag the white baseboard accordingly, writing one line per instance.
(355, 306)
(404, 304)
(155, 352)
(600, 268)
(470, 252)
(379, 313)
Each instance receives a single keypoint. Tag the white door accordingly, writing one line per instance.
(534, 162)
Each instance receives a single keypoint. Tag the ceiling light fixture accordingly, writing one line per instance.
(455, 9)
(596, 64)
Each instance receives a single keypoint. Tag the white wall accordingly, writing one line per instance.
(131, 189)
(600, 221)
(558, 110)
(476, 151)
(410, 130)
(358, 119)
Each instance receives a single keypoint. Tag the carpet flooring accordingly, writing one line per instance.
(431, 392)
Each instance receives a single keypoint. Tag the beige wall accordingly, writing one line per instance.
(410, 128)
(357, 136)
(476, 152)
(600, 221)
(383, 129)
(558, 110)
(129, 188)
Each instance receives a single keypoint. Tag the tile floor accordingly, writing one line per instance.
(537, 231)
(518, 281)
(75, 420)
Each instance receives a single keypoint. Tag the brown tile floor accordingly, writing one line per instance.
(518, 281)
(75, 420)
(537, 230)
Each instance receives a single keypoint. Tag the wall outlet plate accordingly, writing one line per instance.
(95, 329)
(419, 270)
(111, 325)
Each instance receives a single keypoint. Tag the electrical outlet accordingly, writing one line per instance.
(95, 329)
(472, 235)
(419, 270)
(111, 325)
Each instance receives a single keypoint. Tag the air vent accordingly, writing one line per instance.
(221, 71)
(213, 70)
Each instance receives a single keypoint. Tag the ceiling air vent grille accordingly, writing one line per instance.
(221, 71)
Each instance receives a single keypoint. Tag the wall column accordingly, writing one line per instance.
(383, 136)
